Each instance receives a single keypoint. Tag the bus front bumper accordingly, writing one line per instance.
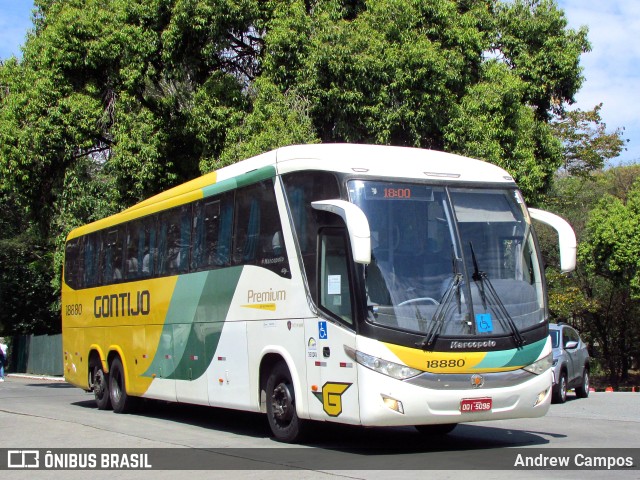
(385, 401)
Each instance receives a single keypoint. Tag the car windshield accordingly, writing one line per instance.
(450, 261)
(555, 338)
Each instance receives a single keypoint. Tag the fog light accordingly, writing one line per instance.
(541, 396)
(393, 404)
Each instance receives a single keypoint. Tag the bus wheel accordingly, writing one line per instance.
(436, 430)
(281, 405)
(120, 401)
(100, 386)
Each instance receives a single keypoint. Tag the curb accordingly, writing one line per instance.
(36, 377)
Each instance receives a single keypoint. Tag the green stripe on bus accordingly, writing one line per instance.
(191, 332)
(527, 354)
(516, 357)
(248, 178)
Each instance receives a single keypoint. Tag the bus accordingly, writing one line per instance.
(358, 284)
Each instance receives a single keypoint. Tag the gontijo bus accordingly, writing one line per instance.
(364, 285)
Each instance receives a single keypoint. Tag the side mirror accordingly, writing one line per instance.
(357, 226)
(566, 237)
(571, 344)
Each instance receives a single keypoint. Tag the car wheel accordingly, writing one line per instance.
(560, 390)
(583, 390)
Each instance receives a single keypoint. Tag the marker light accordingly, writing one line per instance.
(392, 403)
(541, 396)
(540, 366)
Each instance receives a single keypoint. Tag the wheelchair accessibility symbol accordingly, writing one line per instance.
(322, 330)
(484, 323)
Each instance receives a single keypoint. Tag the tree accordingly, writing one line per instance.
(600, 298)
(611, 253)
(134, 96)
(587, 144)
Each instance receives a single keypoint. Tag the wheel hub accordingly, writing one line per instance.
(99, 384)
(282, 403)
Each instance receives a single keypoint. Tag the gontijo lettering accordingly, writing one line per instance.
(122, 304)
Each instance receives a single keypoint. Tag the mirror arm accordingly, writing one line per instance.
(357, 226)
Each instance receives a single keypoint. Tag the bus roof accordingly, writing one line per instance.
(365, 160)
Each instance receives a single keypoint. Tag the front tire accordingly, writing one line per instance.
(583, 390)
(281, 405)
(120, 400)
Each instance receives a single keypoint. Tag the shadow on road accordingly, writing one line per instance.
(343, 437)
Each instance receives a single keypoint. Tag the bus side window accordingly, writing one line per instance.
(206, 221)
(91, 260)
(74, 263)
(258, 238)
(303, 188)
(140, 249)
(111, 255)
(174, 241)
(335, 291)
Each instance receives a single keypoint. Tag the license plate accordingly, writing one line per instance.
(476, 404)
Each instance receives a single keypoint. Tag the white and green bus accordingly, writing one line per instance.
(364, 285)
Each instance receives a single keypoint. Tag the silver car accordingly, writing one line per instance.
(570, 363)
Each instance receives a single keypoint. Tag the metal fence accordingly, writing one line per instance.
(40, 355)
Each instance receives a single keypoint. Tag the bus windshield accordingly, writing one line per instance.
(450, 261)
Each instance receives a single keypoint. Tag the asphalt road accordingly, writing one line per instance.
(43, 414)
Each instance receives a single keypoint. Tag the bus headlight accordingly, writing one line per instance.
(391, 369)
(540, 366)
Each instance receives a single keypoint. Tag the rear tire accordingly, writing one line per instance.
(100, 387)
(281, 405)
(436, 430)
(583, 390)
(120, 400)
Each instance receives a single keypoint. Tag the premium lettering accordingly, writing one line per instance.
(267, 296)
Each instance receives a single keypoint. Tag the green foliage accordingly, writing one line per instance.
(602, 297)
(493, 122)
(116, 100)
(587, 145)
(533, 39)
(277, 120)
(26, 298)
(612, 249)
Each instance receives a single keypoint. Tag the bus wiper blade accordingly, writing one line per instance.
(494, 300)
(441, 313)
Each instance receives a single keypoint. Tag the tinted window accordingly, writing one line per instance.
(335, 291)
(110, 254)
(236, 228)
(174, 241)
(141, 251)
(258, 236)
(302, 188)
(74, 263)
(212, 228)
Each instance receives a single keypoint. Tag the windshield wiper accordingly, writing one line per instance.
(444, 308)
(441, 313)
(490, 294)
